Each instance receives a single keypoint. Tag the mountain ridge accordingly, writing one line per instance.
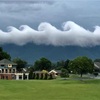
(32, 52)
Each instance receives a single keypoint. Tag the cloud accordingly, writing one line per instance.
(53, 10)
(23, 10)
(47, 34)
(33, 12)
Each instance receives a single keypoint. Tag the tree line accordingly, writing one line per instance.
(79, 65)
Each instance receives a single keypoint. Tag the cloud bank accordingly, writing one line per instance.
(72, 34)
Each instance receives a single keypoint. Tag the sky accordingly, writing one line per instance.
(33, 12)
(50, 22)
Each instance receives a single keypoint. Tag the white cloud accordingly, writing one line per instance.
(72, 34)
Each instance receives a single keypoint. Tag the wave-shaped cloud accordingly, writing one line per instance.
(72, 34)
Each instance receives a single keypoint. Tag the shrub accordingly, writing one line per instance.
(41, 76)
(95, 74)
(24, 76)
(64, 73)
(45, 76)
(31, 75)
(37, 75)
(50, 76)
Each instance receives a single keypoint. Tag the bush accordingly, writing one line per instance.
(24, 76)
(95, 74)
(41, 76)
(37, 75)
(31, 75)
(50, 76)
(46, 76)
(64, 73)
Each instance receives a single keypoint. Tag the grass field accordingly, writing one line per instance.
(50, 90)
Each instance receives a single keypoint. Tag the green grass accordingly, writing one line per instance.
(50, 90)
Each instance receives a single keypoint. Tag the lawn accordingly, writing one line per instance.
(50, 90)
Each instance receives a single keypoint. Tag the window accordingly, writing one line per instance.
(9, 70)
(20, 76)
(2, 65)
(2, 70)
(13, 70)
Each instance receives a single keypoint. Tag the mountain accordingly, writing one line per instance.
(32, 52)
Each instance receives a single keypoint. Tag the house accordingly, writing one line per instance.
(8, 71)
(58, 72)
(54, 73)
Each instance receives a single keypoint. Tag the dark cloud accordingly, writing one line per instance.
(49, 10)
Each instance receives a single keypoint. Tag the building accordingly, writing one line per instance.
(8, 71)
(55, 72)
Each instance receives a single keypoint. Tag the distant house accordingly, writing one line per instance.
(55, 72)
(58, 72)
(8, 70)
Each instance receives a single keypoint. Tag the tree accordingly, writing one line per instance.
(53, 65)
(50, 76)
(4, 55)
(24, 76)
(42, 64)
(31, 74)
(64, 73)
(45, 76)
(20, 64)
(66, 65)
(81, 65)
(41, 76)
(37, 76)
(62, 64)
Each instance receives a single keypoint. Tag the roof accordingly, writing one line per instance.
(52, 71)
(97, 64)
(6, 61)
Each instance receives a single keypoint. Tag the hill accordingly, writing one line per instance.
(31, 52)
